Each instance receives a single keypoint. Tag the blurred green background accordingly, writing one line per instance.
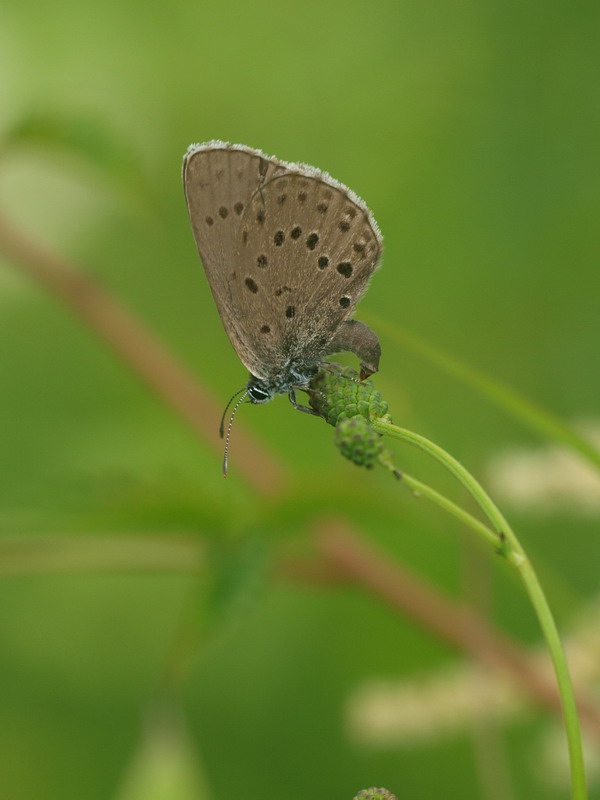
(471, 129)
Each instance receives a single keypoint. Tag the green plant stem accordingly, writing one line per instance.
(512, 550)
(422, 489)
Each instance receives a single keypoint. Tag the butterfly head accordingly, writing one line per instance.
(293, 375)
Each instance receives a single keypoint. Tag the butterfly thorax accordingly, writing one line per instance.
(292, 376)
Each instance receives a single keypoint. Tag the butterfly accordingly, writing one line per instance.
(288, 252)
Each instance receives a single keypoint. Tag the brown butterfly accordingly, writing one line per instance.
(288, 252)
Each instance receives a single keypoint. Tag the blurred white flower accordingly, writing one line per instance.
(548, 479)
(397, 713)
(387, 714)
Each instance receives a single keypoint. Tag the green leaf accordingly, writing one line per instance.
(166, 765)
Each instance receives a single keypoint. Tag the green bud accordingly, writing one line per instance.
(358, 442)
(339, 394)
(375, 794)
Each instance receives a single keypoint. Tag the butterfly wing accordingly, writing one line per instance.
(219, 180)
(305, 249)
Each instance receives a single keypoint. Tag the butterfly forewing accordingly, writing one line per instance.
(305, 250)
(219, 181)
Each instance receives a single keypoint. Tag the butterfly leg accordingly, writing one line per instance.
(356, 337)
(298, 407)
(336, 369)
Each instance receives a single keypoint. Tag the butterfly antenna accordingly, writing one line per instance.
(229, 402)
(228, 437)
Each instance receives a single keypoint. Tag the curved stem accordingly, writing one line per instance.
(512, 550)
(422, 489)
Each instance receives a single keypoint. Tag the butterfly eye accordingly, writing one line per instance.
(258, 395)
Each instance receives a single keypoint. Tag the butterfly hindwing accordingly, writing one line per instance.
(287, 250)
(305, 250)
